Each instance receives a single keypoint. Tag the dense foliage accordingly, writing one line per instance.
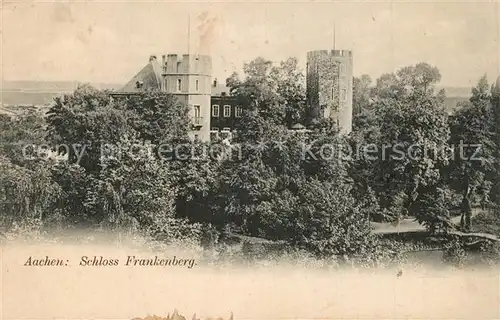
(314, 190)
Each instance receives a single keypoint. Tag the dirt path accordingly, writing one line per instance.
(410, 224)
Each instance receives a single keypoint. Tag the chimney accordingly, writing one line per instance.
(152, 58)
(215, 82)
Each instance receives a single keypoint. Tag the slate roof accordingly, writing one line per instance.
(149, 76)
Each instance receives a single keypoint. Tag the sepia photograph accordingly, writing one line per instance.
(249, 160)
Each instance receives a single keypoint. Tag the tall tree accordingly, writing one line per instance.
(361, 93)
(407, 132)
(495, 102)
(474, 148)
(270, 95)
(118, 174)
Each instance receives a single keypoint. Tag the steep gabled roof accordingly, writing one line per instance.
(149, 77)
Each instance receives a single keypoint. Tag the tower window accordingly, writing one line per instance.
(197, 85)
(215, 110)
(344, 94)
(197, 114)
(227, 111)
(179, 84)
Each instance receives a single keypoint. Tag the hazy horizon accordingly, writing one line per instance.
(111, 41)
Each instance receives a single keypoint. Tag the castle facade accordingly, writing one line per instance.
(329, 78)
(213, 110)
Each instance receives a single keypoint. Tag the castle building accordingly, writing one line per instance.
(329, 78)
(214, 112)
(188, 77)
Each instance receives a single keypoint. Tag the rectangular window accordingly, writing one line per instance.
(215, 110)
(227, 111)
(197, 84)
(179, 84)
(344, 94)
(197, 114)
(215, 129)
(239, 111)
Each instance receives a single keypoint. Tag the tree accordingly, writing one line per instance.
(26, 194)
(495, 103)
(134, 188)
(291, 87)
(85, 122)
(122, 177)
(408, 131)
(158, 117)
(20, 137)
(197, 175)
(327, 221)
(361, 93)
(407, 82)
(90, 121)
(274, 94)
(474, 148)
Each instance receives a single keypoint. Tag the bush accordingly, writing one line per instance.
(455, 253)
(490, 253)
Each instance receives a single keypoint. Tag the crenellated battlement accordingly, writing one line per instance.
(328, 53)
(341, 53)
(186, 64)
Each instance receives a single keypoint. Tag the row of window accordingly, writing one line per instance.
(215, 111)
(226, 111)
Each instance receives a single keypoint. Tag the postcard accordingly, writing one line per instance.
(249, 160)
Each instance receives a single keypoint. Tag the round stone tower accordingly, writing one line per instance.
(329, 86)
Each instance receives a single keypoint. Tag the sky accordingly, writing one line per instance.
(110, 41)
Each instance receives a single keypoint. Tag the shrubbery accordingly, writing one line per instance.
(319, 206)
